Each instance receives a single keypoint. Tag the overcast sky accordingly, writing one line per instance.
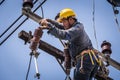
(14, 55)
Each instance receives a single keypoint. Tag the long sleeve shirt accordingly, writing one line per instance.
(55, 23)
(76, 35)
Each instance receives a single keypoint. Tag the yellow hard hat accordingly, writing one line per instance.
(67, 12)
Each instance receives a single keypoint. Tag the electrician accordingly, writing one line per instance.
(80, 46)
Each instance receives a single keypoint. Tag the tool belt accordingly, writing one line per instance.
(92, 53)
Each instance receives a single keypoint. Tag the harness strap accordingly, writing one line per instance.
(91, 58)
(97, 59)
(94, 55)
(90, 52)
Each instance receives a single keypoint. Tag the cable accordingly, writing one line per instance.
(40, 5)
(94, 23)
(62, 68)
(14, 22)
(116, 20)
(42, 12)
(62, 43)
(1, 2)
(29, 66)
(21, 24)
(13, 31)
(11, 26)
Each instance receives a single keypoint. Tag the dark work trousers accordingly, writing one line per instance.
(89, 69)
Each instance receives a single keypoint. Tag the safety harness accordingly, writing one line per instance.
(90, 52)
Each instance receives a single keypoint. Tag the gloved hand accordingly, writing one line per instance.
(45, 27)
(44, 24)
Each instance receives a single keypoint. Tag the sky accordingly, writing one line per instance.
(14, 55)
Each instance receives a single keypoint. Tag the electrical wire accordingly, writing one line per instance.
(11, 26)
(14, 22)
(29, 66)
(21, 23)
(39, 5)
(62, 42)
(94, 23)
(13, 31)
(42, 12)
(62, 68)
(1, 2)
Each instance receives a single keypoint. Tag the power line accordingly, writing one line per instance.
(94, 23)
(14, 22)
(29, 66)
(1, 2)
(21, 23)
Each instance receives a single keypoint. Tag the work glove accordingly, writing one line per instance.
(44, 24)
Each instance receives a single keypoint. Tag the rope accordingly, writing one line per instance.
(94, 23)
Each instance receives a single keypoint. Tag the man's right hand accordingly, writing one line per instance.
(45, 27)
(44, 22)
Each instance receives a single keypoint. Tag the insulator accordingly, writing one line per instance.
(115, 3)
(23, 35)
(34, 43)
(42, 45)
(67, 59)
(116, 12)
(38, 32)
(106, 48)
(28, 3)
